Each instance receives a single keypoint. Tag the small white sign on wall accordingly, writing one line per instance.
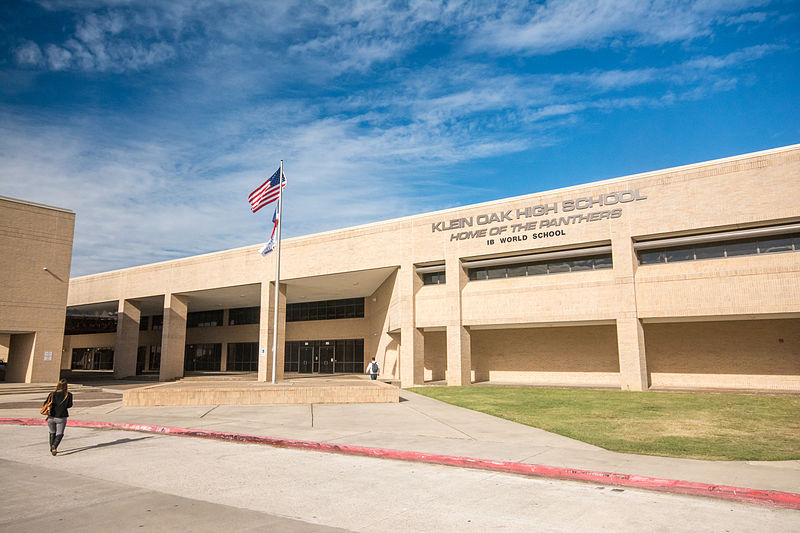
(262, 352)
(48, 356)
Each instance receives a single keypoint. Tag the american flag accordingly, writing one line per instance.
(267, 192)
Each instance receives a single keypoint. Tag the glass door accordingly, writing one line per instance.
(306, 359)
(326, 359)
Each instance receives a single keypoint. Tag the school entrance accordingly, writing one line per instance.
(342, 356)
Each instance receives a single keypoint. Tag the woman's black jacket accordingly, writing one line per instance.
(60, 404)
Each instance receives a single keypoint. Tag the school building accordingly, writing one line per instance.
(685, 278)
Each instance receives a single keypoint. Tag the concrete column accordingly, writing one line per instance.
(266, 332)
(630, 334)
(173, 337)
(412, 341)
(5, 344)
(632, 360)
(20, 358)
(459, 345)
(127, 342)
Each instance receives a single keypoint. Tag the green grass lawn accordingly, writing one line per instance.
(694, 425)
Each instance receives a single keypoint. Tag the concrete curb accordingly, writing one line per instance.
(773, 498)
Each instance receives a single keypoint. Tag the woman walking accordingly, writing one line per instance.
(57, 417)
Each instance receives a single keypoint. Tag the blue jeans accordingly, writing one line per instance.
(373, 376)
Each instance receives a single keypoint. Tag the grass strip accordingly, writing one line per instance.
(740, 427)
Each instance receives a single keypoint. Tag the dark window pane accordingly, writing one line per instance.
(577, 266)
(155, 358)
(652, 257)
(735, 248)
(158, 322)
(770, 246)
(537, 269)
(244, 315)
(204, 319)
(143, 323)
(685, 253)
(80, 325)
(243, 356)
(433, 278)
(496, 272)
(709, 251)
(93, 359)
(203, 357)
(602, 263)
(515, 271)
(555, 268)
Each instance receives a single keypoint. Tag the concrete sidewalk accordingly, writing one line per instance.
(416, 424)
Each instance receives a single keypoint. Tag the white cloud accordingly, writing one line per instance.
(568, 24)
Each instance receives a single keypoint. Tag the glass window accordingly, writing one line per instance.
(602, 263)
(86, 325)
(155, 358)
(537, 269)
(325, 310)
(684, 253)
(477, 273)
(158, 322)
(243, 356)
(244, 315)
(433, 278)
(651, 257)
(516, 271)
(92, 359)
(770, 246)
(203, 357)
(555, 268)
(204, 319)
(734, 248)
(143, 323)
(583, 264)
(709, 251)
(496, 272)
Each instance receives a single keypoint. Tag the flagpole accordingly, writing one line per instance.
(277, 275)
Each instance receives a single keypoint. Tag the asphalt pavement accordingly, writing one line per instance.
(415, 424)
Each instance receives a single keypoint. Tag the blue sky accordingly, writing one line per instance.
(154, 120)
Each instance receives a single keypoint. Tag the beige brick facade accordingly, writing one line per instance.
(704, 323)
(35, 254)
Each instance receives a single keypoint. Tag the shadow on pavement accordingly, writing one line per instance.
(102, 445)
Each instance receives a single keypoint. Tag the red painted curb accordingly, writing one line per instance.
(775, 498)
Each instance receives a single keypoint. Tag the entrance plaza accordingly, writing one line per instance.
(685, 278)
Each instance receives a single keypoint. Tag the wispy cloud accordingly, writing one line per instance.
(569, 24)
(375, 106)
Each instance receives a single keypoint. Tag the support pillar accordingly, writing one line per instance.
(459, 343)
(412, 341)
(630, 333)
(173, 337)
(20, 357)
(265, 335)
(5, 345)
(127, 342)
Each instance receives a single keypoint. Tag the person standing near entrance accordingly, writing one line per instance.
(57, 417)
(373, 369)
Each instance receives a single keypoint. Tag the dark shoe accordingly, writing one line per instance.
(56, 442)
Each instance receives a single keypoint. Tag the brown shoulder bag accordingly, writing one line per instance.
(45, 410)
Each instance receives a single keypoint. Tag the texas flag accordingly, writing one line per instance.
(267, 248)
